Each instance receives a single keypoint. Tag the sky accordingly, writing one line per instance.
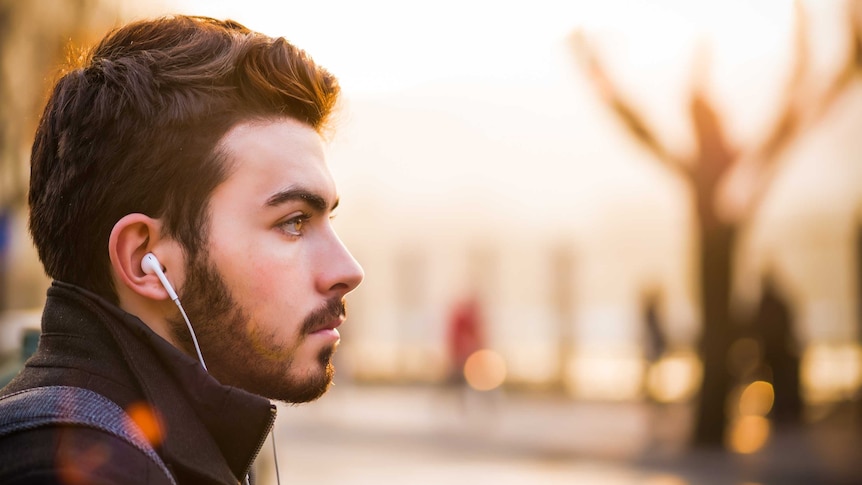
(385, 45)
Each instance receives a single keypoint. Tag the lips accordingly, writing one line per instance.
(327, 318)
(330, 326)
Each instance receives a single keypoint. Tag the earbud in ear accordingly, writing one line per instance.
(151, 265)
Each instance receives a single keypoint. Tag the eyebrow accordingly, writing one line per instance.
(316, 202)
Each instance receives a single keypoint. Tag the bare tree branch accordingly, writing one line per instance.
(753, 171)
(852, 63)
(714, 156)
(787, 124)
(612, 95)
(799, 111)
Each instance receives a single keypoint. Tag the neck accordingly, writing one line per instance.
(152, 312)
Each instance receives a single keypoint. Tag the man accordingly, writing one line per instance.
(188, 150)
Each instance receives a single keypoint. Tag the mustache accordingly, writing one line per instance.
(333, 309)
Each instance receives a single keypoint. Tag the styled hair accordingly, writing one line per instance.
(134, 128)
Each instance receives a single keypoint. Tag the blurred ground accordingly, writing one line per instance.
(423, 435)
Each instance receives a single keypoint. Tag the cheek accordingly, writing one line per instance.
(265, 280)
(263, 272)
(254, 280)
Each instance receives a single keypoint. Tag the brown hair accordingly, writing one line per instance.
(135, 126)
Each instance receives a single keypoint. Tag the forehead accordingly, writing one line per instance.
(265, 157)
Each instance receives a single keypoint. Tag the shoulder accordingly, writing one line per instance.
(69, 435)
(64, 454)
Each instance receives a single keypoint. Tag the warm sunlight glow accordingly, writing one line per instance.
(652, 208)
(756, 399)
(748, 434)
(606, 374)
(485, 370)
(831, 372)
(675, 377)
(387, 45)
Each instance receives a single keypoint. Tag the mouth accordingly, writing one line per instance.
(329, 327)
(327, 319)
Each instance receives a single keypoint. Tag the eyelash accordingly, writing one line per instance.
(298, 221)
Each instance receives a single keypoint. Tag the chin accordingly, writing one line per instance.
(315, 383)
(310, 390)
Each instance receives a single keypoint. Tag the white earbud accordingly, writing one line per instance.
(151, 265)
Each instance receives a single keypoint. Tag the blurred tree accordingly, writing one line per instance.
(35, 38)
(727, 183)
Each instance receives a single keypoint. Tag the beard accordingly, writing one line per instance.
(237, 351)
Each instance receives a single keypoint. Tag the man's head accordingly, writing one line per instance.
(199, 140)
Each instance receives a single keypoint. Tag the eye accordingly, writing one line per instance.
(293, 226)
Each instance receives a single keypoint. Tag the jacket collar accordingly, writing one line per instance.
(209, 429)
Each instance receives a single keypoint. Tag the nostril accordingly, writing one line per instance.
(340, 286)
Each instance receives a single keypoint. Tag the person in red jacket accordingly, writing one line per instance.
(465, 336)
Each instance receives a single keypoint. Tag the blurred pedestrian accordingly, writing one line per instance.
(774, 323)
(465, 336)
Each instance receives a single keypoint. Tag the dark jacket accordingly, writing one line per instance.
(205, 432)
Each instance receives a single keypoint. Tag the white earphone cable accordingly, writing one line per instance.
(192, 332)
(275, 456)
(156, 268)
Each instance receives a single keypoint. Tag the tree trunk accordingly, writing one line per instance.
(716, 258)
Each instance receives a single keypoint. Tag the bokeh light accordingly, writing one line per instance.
(147, 420)
(676, 377)
(485, 370)
(831, 371)
(756, 399)
(606, 374)
(748, 434)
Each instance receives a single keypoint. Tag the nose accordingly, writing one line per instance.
(340, 272)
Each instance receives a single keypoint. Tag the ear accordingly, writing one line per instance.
(132, 237)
